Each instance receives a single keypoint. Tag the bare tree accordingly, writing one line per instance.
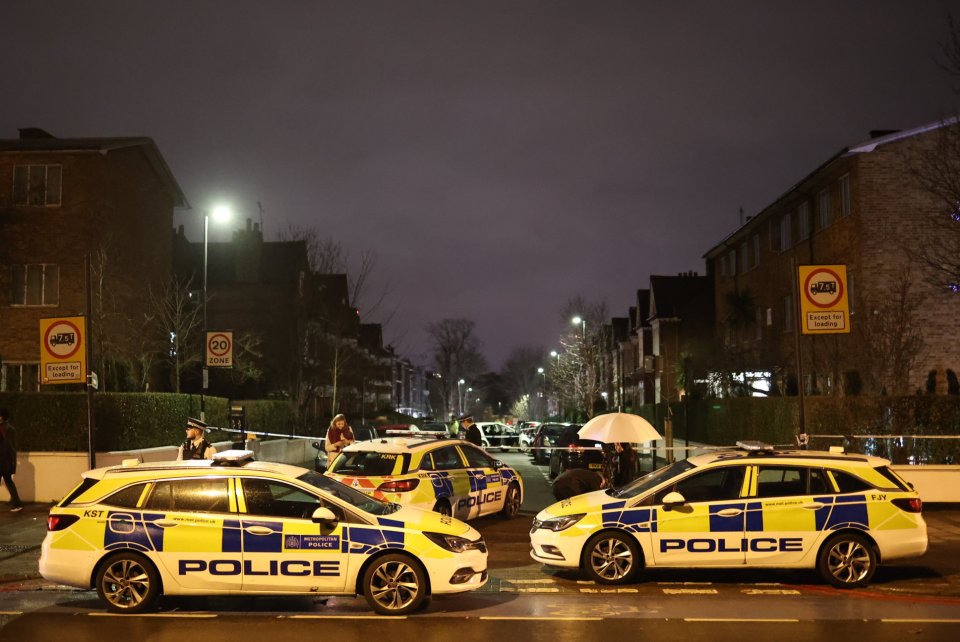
(520, 376)
(576, 374)
(456, 355)
(174, 315)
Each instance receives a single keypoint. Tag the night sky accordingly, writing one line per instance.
(498, 157)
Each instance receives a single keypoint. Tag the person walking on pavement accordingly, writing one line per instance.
(196, 445)
(8, 458)
(471, 429)
(339, 435)
(576, 481)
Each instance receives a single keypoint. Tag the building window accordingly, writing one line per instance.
(755, 259)
(823, 209)
(846, 205)
(722, 265)
(744, 259)
(19, 377)
(37, 185)
(803, 221)
(776, 236)
(788, 314)
(786, 232)
(35, 284)
(732, 259)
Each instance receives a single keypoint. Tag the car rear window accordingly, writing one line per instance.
(847, 483)
(81, 488)
(893, 477)
(371, 464)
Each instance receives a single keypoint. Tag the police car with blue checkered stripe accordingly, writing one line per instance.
(236, 526)
(754, 506)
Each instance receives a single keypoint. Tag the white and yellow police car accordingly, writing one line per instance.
(752, 507)
(448, 476)
(236, 526)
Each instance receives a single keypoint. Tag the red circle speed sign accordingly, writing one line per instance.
(823, 288)
(62, 340)
(219, 345)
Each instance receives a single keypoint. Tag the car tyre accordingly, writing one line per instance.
(443, 507)
(394, 585)
(847, 561)
(612, 557)
(511, 503)
(128, 583)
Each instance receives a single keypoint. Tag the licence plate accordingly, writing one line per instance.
(596, 466)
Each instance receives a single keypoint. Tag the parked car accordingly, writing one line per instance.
(448, 476)
(321, 461)
(527, 430)
(435, 427)
(497, 436)
(234, 526)
(757, 507)
(573, 452)
(546, 435)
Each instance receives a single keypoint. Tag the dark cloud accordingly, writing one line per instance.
(567, 147)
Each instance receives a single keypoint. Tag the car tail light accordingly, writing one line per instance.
(60, 522)
(398, 486)
(909, 504)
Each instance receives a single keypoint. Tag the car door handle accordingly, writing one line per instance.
(815, 505)
(165, 523)
(729, 512)
(259, 530)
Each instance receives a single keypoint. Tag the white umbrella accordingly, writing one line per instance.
(619, 427)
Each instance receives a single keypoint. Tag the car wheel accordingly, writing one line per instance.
(847, 561)
(443, 507)
(511, 504)
(394, 585)
(611, 557)
(128, 583)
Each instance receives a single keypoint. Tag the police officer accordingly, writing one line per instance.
(196, 445)
(472, 432)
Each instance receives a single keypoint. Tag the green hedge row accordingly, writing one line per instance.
(125, 421)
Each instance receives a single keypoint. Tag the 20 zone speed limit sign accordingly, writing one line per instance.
(220, 349)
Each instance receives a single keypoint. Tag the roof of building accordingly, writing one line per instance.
(35, 140)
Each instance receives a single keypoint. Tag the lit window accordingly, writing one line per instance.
(35, 285)
(37, 185)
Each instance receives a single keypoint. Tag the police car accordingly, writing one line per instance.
(751, 507)
(449, 476)
(236, 526)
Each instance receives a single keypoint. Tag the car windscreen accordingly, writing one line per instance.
(650, 480)
(353, 497)
(367, 463)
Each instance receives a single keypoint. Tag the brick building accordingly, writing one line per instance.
(862, 208)
(62, 199)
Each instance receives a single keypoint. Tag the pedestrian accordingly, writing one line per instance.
(626, 464)
(196, 446)
(576, 481)
(8, 459)
(472, 432)
(339, 435)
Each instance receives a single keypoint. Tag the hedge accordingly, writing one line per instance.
(53, 421)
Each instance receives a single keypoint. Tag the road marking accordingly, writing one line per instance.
(11, 612)
(545, 580)
(182, 615)
(668, 591)
(738, 619)
(343, 617)
(541, 617)
(770, 591)
(614, 590)
(918, 621)
(532, 589)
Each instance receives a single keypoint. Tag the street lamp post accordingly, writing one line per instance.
(580, 321)
(221, 213)
(460, 397)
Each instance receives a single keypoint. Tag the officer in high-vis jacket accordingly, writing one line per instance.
(196, 445)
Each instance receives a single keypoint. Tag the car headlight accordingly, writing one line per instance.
(455, 544)
(558, 523)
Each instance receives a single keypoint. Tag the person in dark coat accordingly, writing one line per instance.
(8, 458)
(576, 481)
(472, 431)
(196, 446)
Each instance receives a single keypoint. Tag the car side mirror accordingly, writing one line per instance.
(317, 445)
(498, 464)
(673, 499)
(324, 515)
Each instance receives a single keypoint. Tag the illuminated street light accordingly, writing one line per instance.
(580, 321)
(221, 214)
